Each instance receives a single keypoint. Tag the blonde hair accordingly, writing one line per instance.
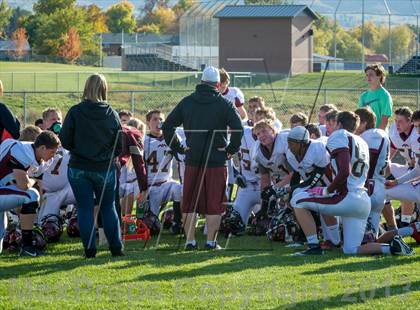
(224, 76)
(264, 123)
(1, 88)
(95, 88)
(266, 113)
(30, 133)
(47, 112)
(138, 124)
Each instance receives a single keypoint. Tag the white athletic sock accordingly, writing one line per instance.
(386, 249)
(211, 242)
(313, 239)
(406, 219)
(405, 231)
(192, 242)
(334, 234)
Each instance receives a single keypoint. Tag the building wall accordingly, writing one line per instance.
(302, 45)
(268, 38)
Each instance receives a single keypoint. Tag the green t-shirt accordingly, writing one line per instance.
(379, 100)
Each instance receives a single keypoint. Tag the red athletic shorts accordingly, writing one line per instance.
(204, 190)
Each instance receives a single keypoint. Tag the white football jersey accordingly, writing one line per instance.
(158, 160)
(248, 165)
(402, 143)
(18, 155)
(55, 177)
(359, 159)
(277, 162)
(415, 147)
(235, 96)
(379, 145)
(316, 156)
(323, 129)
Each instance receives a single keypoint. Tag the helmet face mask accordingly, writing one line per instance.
(52, 227)
(232, 223)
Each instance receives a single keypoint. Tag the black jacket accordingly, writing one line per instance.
(90, 132)
(205, 116)
(8, 122)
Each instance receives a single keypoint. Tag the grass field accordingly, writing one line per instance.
(252, 274)
(164, 90)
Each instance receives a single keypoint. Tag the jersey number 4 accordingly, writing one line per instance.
(152, 161)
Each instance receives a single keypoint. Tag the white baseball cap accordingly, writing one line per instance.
(211, 74)
(299, 134)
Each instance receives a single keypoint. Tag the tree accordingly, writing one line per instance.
(372, 34)
(50, 6)
(348, 47)
(53, 20)
(323, 35)
(5, 14)
(120, 17)
(182, 6)
(17, 20)
(402, 40)
(20, 39)
(97, 17)
(70, 49)
(164, 19)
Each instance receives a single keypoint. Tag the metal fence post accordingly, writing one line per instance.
(78, 81)
(24, 109)
(133, 103)
(417, 94)
(56, 81)
(13, 81)
(34, 81)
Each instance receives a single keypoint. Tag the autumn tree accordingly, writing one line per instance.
(97, 17)
(20, 40)
(5, 14)
(120, 17)
(70, 49)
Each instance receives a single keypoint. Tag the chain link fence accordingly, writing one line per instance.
(28, 106)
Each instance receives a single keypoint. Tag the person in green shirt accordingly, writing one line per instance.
(377, 97)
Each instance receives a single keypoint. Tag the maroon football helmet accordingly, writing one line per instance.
(12, 240)
(167, 218)
(52, 227)
(152, 222)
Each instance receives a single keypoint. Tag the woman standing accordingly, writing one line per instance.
(91, 132)
(377, 97)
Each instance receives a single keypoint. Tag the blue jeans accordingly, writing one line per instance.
(84, 184)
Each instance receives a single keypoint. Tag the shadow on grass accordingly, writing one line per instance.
(354, 296)
(380, 263)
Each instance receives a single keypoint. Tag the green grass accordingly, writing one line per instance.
(164, 90)
(252, 274)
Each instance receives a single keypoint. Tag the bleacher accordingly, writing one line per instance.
(412, 66)
(151, 62)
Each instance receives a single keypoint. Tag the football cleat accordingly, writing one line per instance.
(29, 251)
(313, 249)
(191, 247)
(416, 233)
(399, 247)
(214, 247)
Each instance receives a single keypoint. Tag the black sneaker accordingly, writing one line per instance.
(213, 247)
(399, 247)
(29, 251)
(175, 228)
(191, 247)
(115, 252)
(313, 249)
(90, 253)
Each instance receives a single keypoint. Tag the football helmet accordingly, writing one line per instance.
(12, 240)
(152, 222)
(52, 227)
(38, 239)
(72, 225)
(231, 223)
(167, 218)
(284, 227)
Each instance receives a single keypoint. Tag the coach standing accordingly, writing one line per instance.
(9, 124)
(91, 133)
(206, 117)
(377, 97)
